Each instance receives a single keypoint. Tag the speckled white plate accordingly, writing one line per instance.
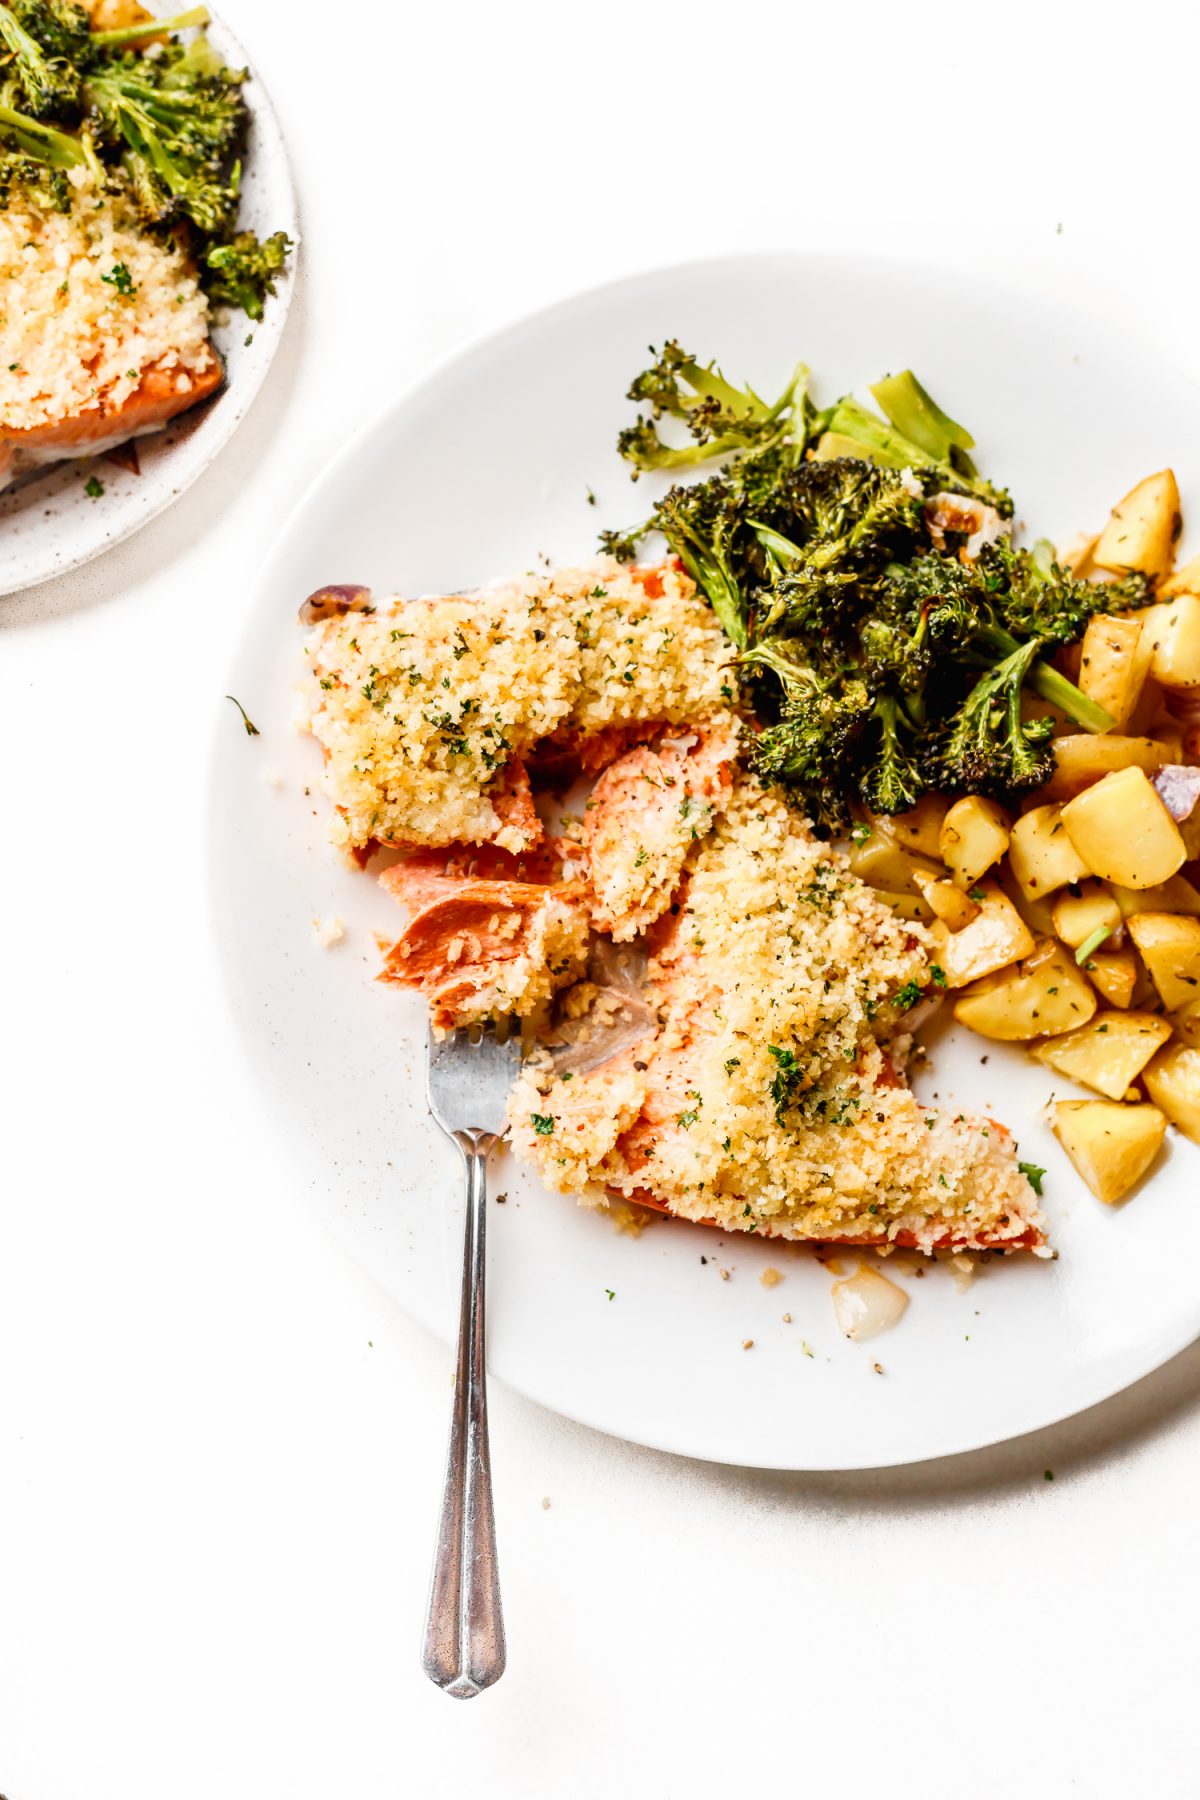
(643, 1337)
(48, 523)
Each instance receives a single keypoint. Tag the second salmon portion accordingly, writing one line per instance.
(104, 330)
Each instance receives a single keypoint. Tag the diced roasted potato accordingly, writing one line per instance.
(1173, 1082)
(1041, 855)
(946, 901)
(1084, 758)
(1108, 1053)
(1123, 831)
(974, 835)
(996, 937)
(1176, 895)
(1184, 580)
(1110, 669)
(1045, 993)
(1176, 631)
(878, 860)
(909, 906)
(919, 829)
(1081, 913)
(1111, 1145)
(1114, 974)
(1142, 530)
(1170, 949)
(1187, 1023)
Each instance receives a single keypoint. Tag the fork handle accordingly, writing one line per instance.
(464, 1632)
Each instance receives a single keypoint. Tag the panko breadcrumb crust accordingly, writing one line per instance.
(778, 958)
(421, 705)
(88, 304)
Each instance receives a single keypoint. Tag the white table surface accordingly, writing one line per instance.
(220, 1446)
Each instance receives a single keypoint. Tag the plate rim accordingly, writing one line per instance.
(1159, 1350)
(265, 122)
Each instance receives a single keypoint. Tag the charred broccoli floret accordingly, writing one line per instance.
(720, 417)
(41, 78)
(243, 271)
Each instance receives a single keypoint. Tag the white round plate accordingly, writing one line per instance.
(48, 523)
(486, 465)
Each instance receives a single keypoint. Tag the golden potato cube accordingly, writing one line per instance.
(974, 835)
(1108, 1053)
(1114, 975)
(909, 906)
(1041, 855)
(1123, 831)
(1084, 757)
(1111, 1145)
(1080, 915)
(996, 937)
(1170, 948)
(1142, 530)
(919, 829)
(1184, 580)
(1176, 661)
(1045, 993)
(948, 902)
(1187, 1023)
(1173, 1082)
(1110, 670)
(1176, 895)
(877, 859)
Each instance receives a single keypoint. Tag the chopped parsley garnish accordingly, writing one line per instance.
(120, 278)
(543, 1123)
(93, 488)
(1033, 1176)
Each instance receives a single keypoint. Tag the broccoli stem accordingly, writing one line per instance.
(917, 416)
(134, 34)
(57, 149)
(1052, 686)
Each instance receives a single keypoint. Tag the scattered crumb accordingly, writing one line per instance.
(787, 1318)
(724, 1274)
(545, 1503)
(272, 777)
(770, 1278)
(501, 1199)
(964, 1272)
(747, 1343)
(328, 932)
(878, 1368)
(807, 1347)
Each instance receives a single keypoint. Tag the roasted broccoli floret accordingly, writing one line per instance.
(720, 417)
(891, 780)
(243, 271)
(808, 747)
(40, 78)
(988, 747)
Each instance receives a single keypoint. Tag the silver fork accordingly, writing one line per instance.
(467, 1085)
